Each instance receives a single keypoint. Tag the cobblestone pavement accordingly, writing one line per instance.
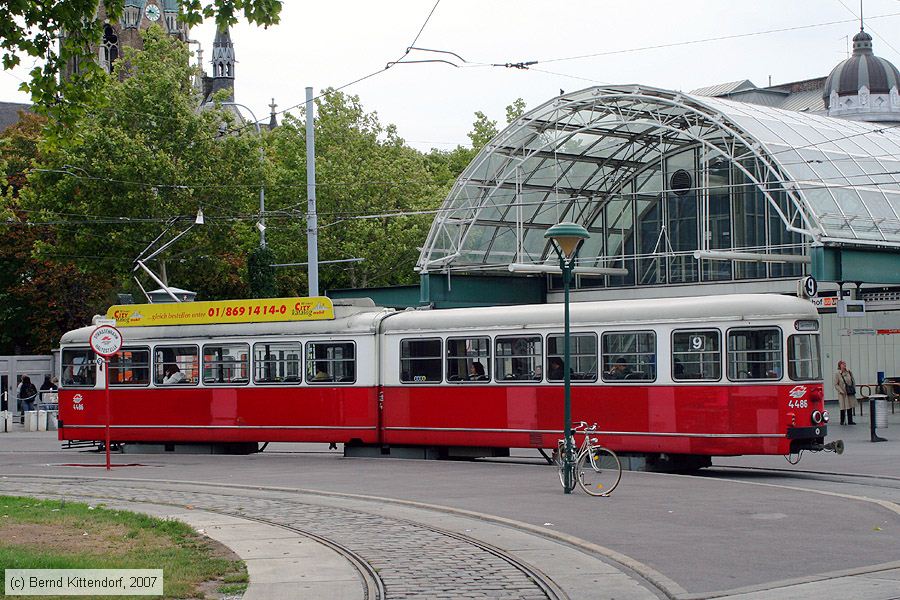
(412, 560)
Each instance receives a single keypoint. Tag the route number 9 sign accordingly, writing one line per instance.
(106, 340)
(697, 343)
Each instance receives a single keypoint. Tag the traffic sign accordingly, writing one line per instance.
(106, 340)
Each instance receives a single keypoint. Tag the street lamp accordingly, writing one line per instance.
(567, 239)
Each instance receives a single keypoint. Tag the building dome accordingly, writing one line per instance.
(863, 87)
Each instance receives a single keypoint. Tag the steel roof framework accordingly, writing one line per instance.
(566, 159)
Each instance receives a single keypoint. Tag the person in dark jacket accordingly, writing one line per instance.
(27, 394)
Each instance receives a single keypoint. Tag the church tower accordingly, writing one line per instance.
(222, 65)
(137, 15)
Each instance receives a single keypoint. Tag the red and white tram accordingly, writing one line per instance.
(700, 377)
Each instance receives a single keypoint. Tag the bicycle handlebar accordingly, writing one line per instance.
(582, 425)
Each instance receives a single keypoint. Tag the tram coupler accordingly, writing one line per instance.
(836, 446)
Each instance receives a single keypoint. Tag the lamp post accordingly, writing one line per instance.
(567, 239)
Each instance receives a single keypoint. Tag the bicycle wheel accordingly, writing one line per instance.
(598, 471)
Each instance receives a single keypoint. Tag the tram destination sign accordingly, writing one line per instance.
(260, 310)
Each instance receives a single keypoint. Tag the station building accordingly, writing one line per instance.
(730, 189)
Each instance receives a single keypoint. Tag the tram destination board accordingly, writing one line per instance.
(316, 308)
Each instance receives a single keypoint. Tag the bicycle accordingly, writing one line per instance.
(597, 468)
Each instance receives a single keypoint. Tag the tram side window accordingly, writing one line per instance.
(79, 368)
(754, 354)
(629, 356)
(582, 351)
(518, 358)
(330, 362)
(469, 359)
(420, 360)
(696, 355)
(176, 365)
(226, 364)
(130, 366)
(803, 357)
(276, 362)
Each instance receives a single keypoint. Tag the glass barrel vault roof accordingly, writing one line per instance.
(568, 158)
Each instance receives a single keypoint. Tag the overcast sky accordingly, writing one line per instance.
(321, 44)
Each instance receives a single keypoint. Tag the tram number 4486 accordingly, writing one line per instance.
(798, 403)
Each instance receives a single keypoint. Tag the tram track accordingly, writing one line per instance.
(369, 568)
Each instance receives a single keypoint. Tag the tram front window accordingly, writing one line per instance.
(754, 354)
(804, 363)
(78, 368)
(176, 365)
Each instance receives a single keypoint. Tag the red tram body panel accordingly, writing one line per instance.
(222, 415)
(711, 421)
(717, 375)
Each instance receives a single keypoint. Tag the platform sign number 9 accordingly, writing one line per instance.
(697, 343)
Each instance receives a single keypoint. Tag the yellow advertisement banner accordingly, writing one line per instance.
(317, 308)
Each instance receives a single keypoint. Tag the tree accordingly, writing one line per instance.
(370, 187)
(142, 159)
(39, 297)
(445, 166)
(33, 28)
(483, 130)
(261, 274)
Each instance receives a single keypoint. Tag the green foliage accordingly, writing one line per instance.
(515, 110)
(368, 182)
(142, 156)
(261, 274)
(33, 28)
(81, 200)
(39, 296)
(483, 130)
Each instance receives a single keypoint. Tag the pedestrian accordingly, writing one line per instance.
(46, 388)
(845, 385)
(27, 393)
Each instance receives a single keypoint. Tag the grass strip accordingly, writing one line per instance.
(56, 534)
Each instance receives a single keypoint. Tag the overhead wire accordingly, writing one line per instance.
(709, 39)
(778, 185)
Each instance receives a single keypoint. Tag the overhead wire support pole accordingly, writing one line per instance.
(262, 188)
(312, 221)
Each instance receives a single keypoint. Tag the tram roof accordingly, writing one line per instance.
(737, 307)
(566, 159)
(363, 321)
(349, 320)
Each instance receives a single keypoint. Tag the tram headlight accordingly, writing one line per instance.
(825, 416)
(816, 417)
